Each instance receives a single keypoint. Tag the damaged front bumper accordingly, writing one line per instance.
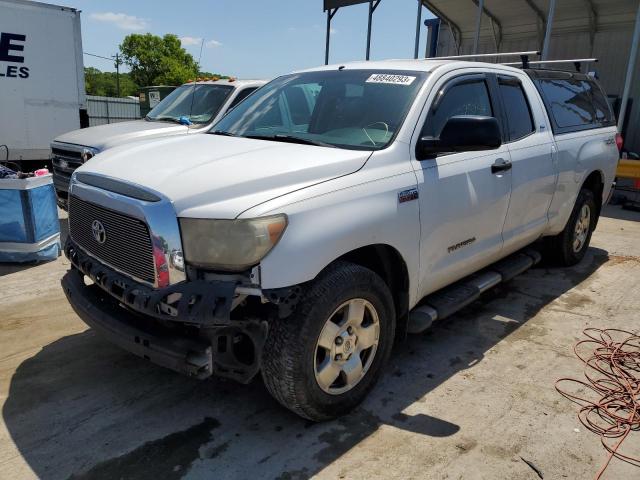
(187, 327)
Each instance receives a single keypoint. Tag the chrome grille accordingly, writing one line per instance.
(127, 246)
(64, 164)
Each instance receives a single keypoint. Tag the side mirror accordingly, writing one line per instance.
(463, 133)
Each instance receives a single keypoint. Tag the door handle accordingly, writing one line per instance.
(500, 165)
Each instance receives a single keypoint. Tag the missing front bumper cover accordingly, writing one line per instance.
(204, 303)
(143, 337)
(202, 307)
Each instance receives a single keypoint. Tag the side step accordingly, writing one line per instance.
(445, 302)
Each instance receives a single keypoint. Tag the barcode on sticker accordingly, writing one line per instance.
(392, 79)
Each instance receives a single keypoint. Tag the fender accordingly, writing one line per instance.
(362, 209)
(579, 155)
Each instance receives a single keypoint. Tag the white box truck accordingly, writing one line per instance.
(42, 90)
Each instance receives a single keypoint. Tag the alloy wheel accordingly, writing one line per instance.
(346, 346)
(581, 230)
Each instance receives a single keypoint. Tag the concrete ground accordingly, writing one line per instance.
(470, 399)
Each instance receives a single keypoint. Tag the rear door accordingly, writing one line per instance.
(463, 202)
(533, 157)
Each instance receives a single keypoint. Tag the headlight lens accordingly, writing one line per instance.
(233, 245)
(88, 153)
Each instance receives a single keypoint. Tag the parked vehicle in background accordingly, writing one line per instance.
(190, 108)
(150, 97)
(41, 79)
(331, 212)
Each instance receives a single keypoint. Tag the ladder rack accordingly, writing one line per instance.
(487, 55)
(524, 59)
(524, 56)
(576, 62)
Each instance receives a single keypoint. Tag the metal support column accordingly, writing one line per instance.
(418, 20)
(476, 42)
(373, 4)
(330, 14)
(547, 33)
(433, 28)
(635, 39)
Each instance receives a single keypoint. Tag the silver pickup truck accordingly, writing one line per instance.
(190, 108)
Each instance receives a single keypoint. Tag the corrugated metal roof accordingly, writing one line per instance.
(524, 18)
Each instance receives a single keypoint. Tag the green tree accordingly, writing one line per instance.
(155, 60)
(209, 75)
(105, 83)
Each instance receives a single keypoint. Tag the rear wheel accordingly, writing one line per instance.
(570, 246)
(323, 360)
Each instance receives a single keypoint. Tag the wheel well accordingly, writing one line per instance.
(387, 262)
(595, 183)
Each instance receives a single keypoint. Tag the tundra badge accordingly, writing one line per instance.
(461, 244)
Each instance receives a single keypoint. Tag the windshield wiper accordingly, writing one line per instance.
(223, 133)
(290, 139)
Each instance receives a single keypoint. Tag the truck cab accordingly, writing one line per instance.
(190, 108)
(332, 212)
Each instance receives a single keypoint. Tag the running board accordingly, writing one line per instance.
(445, 302)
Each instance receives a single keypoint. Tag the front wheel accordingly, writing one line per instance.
(321, 361)
(570, 246)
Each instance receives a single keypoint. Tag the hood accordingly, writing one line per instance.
(114, 134)
(210, 176)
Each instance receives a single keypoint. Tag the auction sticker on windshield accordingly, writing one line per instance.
(392, 79)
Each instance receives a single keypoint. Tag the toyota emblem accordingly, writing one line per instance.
(99, 232)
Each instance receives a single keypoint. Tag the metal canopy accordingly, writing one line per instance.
(514, 20)
(331, 4)
(332, 7)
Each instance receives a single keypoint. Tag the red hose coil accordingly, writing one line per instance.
(610, 404)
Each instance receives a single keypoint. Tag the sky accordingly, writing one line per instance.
(251, 38)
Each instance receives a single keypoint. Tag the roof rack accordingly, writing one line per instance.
(524, 56)
(576, 62)
(484, 55)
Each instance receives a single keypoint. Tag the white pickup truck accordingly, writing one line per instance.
(330, 213)
(190, 108)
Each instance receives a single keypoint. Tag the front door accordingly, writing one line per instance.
(463, 200)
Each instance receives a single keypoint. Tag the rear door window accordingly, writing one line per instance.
(516, 107)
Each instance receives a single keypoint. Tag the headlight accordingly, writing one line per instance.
(176, 260)
(230, 244)
(88, 153)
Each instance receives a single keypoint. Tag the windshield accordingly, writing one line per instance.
(353, 109)
(199, 104)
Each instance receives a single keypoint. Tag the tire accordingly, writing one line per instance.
(292, 355)
(564, 246)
